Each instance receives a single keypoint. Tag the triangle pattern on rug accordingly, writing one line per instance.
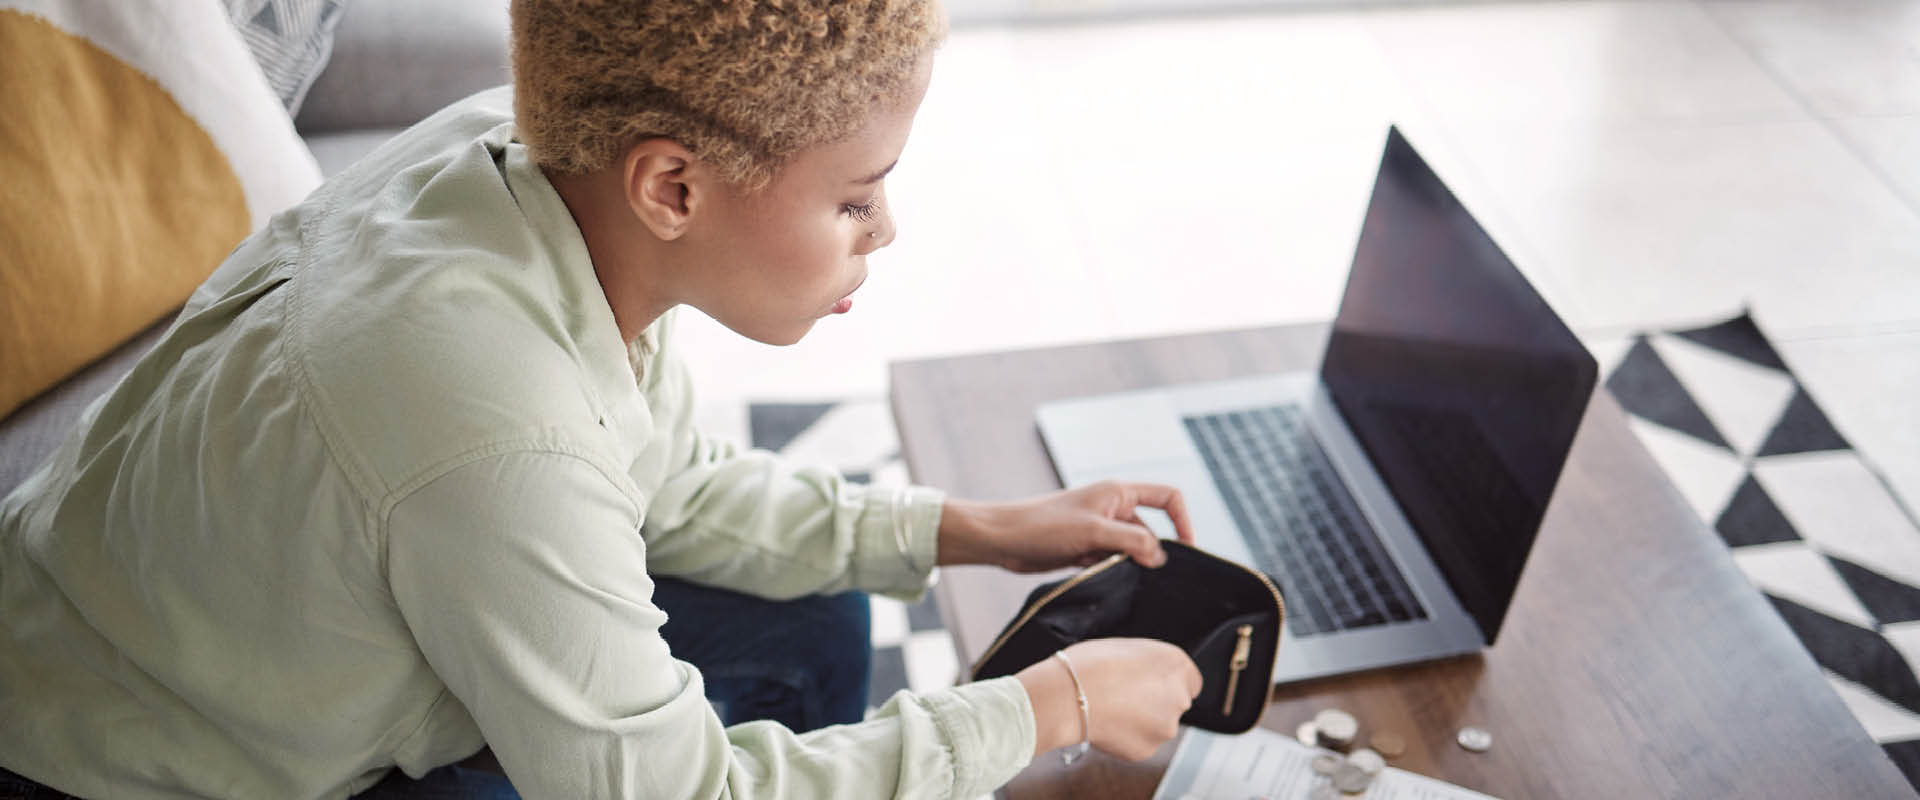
(854, 436)
(1884, 721)
(1609, 352)
(1705, 474)
(1795, 571)
(1804, 428)
(1739, 337)
(889, 674)
(1905, 637)
(774, 425)
(1742, 400)
(887, 619)
(1836, 502)
(932, 663)
(1852, 652)
(1886, 599)
(1906, 756)
(1648, 389)
(1806, 518)
(1752, 518)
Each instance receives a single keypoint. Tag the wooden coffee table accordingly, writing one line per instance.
(1637, 661)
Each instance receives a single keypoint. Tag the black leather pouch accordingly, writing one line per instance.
(1226, 616)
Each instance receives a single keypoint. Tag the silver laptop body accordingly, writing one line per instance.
(1522, 388)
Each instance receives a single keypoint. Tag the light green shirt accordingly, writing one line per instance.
(391, 489)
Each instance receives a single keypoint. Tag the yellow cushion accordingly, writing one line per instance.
(118, 199)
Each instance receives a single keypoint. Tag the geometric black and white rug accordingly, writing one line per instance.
(1812, 524)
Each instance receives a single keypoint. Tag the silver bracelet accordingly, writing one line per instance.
(1067, 757)
(899, 499)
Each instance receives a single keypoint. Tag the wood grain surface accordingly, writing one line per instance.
(1637, 661)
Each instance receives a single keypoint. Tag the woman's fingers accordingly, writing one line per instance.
(1134, 539)
(1168, 499)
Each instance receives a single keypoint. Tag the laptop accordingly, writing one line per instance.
(1393, 494)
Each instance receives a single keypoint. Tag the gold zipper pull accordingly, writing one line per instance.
(1240, 652)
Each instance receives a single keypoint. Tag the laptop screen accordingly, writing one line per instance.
(1461, 383)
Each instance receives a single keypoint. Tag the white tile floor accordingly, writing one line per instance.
(1646, 163)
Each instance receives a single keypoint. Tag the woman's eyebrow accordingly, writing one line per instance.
(875, 177)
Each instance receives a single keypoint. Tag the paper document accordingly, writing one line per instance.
(1266, 764)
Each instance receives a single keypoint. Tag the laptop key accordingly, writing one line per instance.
(1303, 527)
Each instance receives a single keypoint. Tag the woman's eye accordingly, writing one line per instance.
(863, 212)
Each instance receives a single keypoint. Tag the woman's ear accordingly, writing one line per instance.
(660, 192)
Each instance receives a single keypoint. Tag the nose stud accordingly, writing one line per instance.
(873, 234)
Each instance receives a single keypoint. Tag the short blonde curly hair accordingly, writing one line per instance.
(743, 84)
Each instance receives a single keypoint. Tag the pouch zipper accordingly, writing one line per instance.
(1279, 605)
(1240, 653)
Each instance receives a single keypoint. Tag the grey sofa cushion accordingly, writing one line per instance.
(35, 429)
(338, 150)
(396, 61)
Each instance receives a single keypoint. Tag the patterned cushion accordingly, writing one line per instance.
(290, 39)
(143, 143)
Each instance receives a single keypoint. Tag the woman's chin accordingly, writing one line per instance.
(779, 337)
(778, 333)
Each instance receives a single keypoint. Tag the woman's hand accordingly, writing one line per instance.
(1070, 528)
(1136, 691)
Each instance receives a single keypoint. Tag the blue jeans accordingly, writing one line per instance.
(802, 663)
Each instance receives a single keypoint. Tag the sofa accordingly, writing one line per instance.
(393, 62)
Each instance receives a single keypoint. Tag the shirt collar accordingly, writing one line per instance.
(589, 318)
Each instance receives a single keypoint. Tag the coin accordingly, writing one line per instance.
(1367, 760)
(1390, 745)
(1476, 739)
(1307, 734)
(1337, 728)
(1350, 778)
(1326, 763)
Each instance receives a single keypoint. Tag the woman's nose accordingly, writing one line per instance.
(882, 235)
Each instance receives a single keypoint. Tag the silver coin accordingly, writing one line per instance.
(1307, 734)
(1326, 763)
(1337, 729)
(1324, 792)
(1367, 760)
(1476, 739)
(1351, 779)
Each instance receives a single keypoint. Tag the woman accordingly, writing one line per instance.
(413, 473)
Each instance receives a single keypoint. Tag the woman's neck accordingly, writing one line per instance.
(626, 257)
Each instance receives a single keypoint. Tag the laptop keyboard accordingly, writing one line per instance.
(1301, 524)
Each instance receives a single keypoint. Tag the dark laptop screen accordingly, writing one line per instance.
(1462, 385)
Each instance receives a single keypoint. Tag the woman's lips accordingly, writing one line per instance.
(846, 303)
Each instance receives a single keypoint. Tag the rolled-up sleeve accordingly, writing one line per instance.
(755, 522)
(523, 577)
